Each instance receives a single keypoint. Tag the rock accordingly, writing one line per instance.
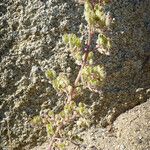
(30, 33)
(30, 38)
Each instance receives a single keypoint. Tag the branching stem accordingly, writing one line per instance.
(70, 96)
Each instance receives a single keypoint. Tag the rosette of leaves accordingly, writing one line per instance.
(74, 45)
(93, 76)
(95, 15)
(60, 83)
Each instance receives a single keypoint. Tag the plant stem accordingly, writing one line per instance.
(70, 96)
(90, 35)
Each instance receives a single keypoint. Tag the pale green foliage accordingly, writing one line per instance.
(78, 57)
(89, 13)
(103, 41)
(93, 76)
(82, 110)
(61, 83)
(90, 55)
(72, 41)
(78, 91)
(100, 15)
(74, 45)
(50, 129)
(90, 58)
(95, 15)
(83, 123)
(36, 120)
(61, 145)
(50, 74)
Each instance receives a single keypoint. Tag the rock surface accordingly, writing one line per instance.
(30, 42)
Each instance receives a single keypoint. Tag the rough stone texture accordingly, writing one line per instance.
(30, 42)
(127, 66)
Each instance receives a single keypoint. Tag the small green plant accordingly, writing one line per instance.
(62, 126)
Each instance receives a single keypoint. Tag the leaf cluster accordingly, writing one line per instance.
(93, 76)
(95, 15)
(74, 45)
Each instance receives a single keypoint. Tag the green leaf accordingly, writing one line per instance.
(100, 15)
(89, 13)
(55, 85)
(65, 38)
(99, 12)
(50, 113)
(50, 129)
(91, 61)
(36, 120)
(83, 123)
(61, 146)
(50, 74)
(73, 105)
(79, 91)
(74, 41)
(69, 88)
(62, 114)
(81, 105)
(81, 109)
(67, 109)
(100, 71)
(102, 40)
(90, 55)
(109, 45)
(77, 56)
(93, 76)
(61, 83)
